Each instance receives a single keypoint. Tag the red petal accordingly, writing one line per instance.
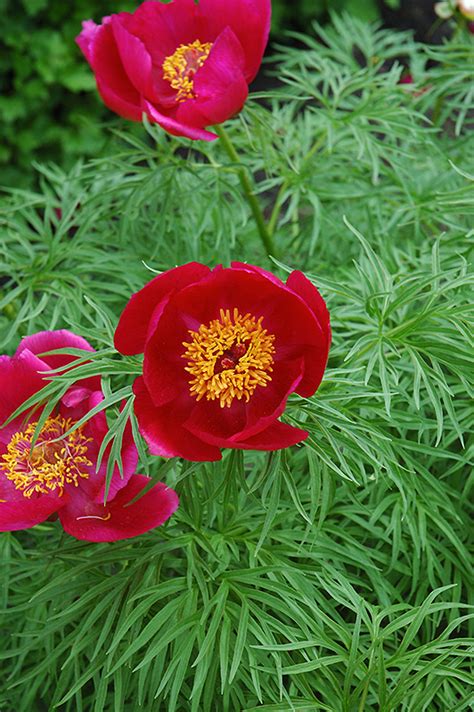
(76, 397)
(90, 521)
(163, 366)
(220, 85)
(301, 285)
(316, 349)
(115, 102)
(20, 512)
(276, 437)
(23, 515)
(97, 428)
(132, 330)
(19, 379)
(226, 426)
(163, 27)
(176, 127)
(317, 359)
(135, 59)
(86, 38)
(113, 84)
(253, 269)
(250, 22)
(162, 428)
(45, 341)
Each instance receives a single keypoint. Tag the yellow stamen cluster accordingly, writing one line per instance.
(179, 68)
(51, 464)
(229, 358)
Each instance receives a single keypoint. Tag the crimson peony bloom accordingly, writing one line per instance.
(223, 350)
(185, 65)
(59, 475)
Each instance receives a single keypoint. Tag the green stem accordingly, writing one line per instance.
(248, 189)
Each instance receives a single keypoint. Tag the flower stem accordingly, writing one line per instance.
(248, 189)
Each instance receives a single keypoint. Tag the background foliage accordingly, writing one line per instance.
(48, 109)
(332, 576)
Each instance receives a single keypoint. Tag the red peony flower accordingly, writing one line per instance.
(223, 351)
(59, 475)
(185, 65)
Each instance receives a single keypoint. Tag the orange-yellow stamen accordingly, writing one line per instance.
(51, 464)
(179, 68)
(229, 358)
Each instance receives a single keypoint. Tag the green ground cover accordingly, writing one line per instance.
(331, 576)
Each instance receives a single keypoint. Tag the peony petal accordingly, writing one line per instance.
(75, 397)
(220, 85)
(276, 437)
(225, 426)
(19, 379)
(163, 27)
(45, 341)
(87, 37)
(97, 428)
(132, 330)
(20, 512)
(301, 285)
(162, 428)
(250, 22)
(90, 521)
(316, 350)
(113, 84)
(175, 127)
(163, 366)
(253, 269)
(135, 59)
(115, 102)
(316, 358)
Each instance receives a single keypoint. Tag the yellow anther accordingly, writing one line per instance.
(179, 68)
(52, 463)
(229, 358)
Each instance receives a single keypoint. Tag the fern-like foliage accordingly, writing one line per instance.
(335, 575)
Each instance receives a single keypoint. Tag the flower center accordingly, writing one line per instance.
(179, 68)
(49, 465)
(229, 358)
